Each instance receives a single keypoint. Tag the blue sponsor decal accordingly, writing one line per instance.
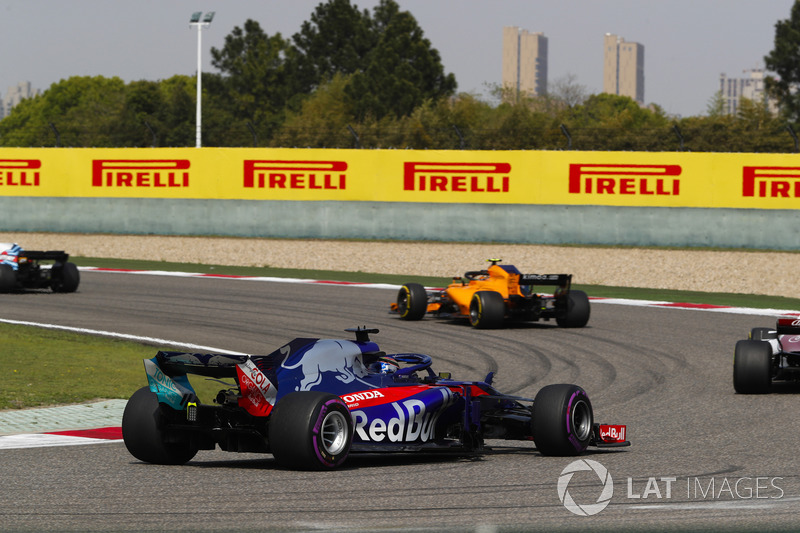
(412, 420)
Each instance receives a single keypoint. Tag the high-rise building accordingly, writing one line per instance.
(751, 87)
(15, 95)
(623, 68)
(524, 63)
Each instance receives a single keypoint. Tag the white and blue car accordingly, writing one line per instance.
(25, 269)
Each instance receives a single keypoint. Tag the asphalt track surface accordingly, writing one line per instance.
(703, 458)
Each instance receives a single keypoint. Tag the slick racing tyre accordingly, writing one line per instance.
(577, 312)
(412, 301)
(8, 278)
(487, 309)
(142, 431)
(763, 334)
(310, 431)
(752, 367)
(562, 420)
(65, 279)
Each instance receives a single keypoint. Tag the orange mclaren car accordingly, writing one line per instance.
(489, 298)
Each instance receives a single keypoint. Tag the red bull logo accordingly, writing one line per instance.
(456, 177)
(156, 173)
(19, 172)
(275, 174)
(414, 420)
(612, 433)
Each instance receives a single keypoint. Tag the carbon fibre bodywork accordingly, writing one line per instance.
(500, 294)
(27, 269)
(768, 355)
(410, 409)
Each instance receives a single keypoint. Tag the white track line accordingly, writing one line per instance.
(42, 440)
(137, 338)
(615, 301)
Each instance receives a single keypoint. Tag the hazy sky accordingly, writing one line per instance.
(688, 43)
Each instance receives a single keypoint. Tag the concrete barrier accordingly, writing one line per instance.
(524, 224)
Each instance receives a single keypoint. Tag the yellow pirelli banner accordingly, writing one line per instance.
(662, 179)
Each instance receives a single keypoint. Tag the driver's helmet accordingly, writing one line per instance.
(384, 365)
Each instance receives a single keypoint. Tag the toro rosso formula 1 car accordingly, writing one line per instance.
(768, 355)
(489, 298)
(312, 402)
(24, 269)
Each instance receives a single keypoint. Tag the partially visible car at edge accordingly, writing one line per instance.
(766, 356)
(26, 269)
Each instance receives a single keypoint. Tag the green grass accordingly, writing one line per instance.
(48, 367)
(42, 367)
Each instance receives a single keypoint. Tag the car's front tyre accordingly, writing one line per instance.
(562, 420)
(412, 301)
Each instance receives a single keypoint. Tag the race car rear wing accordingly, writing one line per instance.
(562, 280)
(222, 365)
(788, 325)
(51, 255)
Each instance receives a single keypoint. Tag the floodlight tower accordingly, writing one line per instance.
(196, 22)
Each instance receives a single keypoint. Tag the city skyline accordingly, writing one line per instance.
(689, 42)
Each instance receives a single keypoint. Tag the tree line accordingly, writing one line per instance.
(358, 79)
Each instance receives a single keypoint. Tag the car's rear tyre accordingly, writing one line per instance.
(562, 420)
(144, 435)
(412, 301)
(8, 278)
(576, 314)
(763, 334)
(752, 367)
(487, 309)
(310, 431)
(66, 279)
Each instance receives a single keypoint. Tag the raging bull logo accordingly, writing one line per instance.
(140, 173)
